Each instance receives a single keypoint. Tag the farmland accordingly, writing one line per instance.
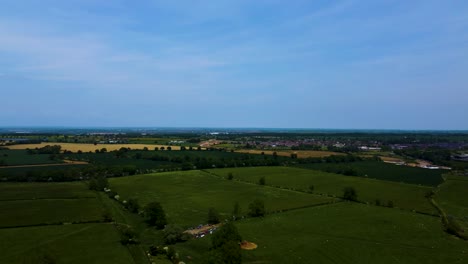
(80, 243)
(75, 147)
(342, 233)
(452, 196)
(63, 212)
(383, 171)
(405, 196)
(187, 196)
(287, 153)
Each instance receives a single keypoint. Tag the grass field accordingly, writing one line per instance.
(453, 198)
(80, 243)
(342, 233)
(74, 147)
(59, 190)
(383, 171)
(187, 196)
(37, 212)
(404, 196)
(287, 153)
(21, 157)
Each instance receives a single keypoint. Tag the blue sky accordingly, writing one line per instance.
(382, 64)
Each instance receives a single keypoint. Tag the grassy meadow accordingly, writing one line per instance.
(187, 196)
(342, 233)
(405, 196)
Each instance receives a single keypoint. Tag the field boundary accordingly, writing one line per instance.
(56, 224)
(59, 198)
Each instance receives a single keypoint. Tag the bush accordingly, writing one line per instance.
(262, 181)
(390, 204)
(132, 205)
(230, 176)
(350, 194)
(257, 208)
(225, 245)
(311, 188)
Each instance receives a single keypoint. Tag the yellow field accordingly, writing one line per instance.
(287, 153)
(74, 147)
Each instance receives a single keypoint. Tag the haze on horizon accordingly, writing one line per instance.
(382, 64)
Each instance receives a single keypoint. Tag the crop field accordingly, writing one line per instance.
(405, 196)
(74, 147)
(21, 157)
(187, 196)
(77, 243)
(342, 233)
(31, 191)
(287, 153)
(383, 171)
(453, 198)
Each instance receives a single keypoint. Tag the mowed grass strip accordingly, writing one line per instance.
(187, 196)
(406, 196)
(341, 233)
(81, 243)
(38, 212)
(41, 190)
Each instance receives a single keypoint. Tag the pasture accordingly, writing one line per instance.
(77, 243)
(342, 233)
(32, 191)
(405, 196)
(187, 196)
(45, 211)
(383, 171)
(452, 197)
(21, 157)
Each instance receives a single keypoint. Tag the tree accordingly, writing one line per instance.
(261, 181)
(213, 216)
(132, 205)
(236, 211)
(98, 183)
(174, 234)
(169, 148)
(257, 208)
(230, 176)
(311, 188)
(349, 193)
(155, 215)
(225, 245)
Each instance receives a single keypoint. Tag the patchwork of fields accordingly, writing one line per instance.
(39, 222)
(66, 220)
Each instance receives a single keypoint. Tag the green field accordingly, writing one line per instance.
(62, 190)
(187, 196)
(37, 212)
(342, 233)
(81, 243)
(21, 157)
(405, 196)
(452, 197)
(383, 171)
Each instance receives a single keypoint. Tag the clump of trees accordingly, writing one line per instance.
(225, 245)
(98, 183)
(174, 234)
(132, 205)
(155, 215)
